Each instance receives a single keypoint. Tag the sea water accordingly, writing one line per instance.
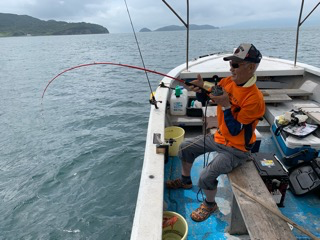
(70, 163)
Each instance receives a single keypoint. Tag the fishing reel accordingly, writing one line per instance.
(216, 90)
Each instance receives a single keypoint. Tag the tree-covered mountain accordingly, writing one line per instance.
(23, 25)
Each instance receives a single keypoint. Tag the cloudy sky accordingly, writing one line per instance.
(153, 14)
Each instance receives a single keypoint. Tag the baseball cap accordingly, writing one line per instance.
(245, 52)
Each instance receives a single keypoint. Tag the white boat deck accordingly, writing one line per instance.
(148, 223)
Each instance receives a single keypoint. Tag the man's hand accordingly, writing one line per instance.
(197, 84)
(222, 100)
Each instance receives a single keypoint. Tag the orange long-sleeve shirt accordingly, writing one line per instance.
(247, 107)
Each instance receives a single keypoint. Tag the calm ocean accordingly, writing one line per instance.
(70, 165)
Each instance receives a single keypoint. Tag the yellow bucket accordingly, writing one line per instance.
(178, 231)
(177, 134)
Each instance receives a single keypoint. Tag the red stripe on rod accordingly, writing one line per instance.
(109, 63)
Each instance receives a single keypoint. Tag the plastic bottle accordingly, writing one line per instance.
(179, 101)
(184, 92)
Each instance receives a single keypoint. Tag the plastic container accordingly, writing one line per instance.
(179, 101)
(177, 134)
(194, 108)
(179, 230)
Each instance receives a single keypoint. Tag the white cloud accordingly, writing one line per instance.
(154, 14)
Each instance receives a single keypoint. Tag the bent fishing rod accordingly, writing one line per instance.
(109, 63)
(120, 65)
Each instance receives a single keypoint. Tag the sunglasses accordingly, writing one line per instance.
(236, 65)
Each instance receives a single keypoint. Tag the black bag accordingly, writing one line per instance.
(273, 175)
(305, 177)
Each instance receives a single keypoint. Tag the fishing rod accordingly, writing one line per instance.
(109, 63)
(153, 99)
(120, 65)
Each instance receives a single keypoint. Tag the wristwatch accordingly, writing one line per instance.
(225, 108)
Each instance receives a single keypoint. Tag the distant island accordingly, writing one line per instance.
(23, 25)
(145, 30)
(179, 28)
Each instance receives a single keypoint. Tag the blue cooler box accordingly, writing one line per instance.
(289, 145)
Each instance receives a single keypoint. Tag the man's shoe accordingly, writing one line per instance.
(177, 183)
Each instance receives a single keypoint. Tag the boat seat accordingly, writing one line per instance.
(248, 216)
(284, 95)
(313, 87)
(289, 92)
(313, 113)
(277, 98)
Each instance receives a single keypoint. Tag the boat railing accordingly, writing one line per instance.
(298, 28)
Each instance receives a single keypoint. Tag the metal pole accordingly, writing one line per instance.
(298, 28)
(297, 37)
(185, 24)
(310, 13)
(174, 12)
(187, 35)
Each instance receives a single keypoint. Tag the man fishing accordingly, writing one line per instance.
(239, 108)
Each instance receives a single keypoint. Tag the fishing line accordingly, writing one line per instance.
(135, 36)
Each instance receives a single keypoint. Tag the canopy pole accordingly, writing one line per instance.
(297, 36)
(187, 54)
(298, 28)
(185, 24)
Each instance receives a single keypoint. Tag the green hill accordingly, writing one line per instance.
(23, 25)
